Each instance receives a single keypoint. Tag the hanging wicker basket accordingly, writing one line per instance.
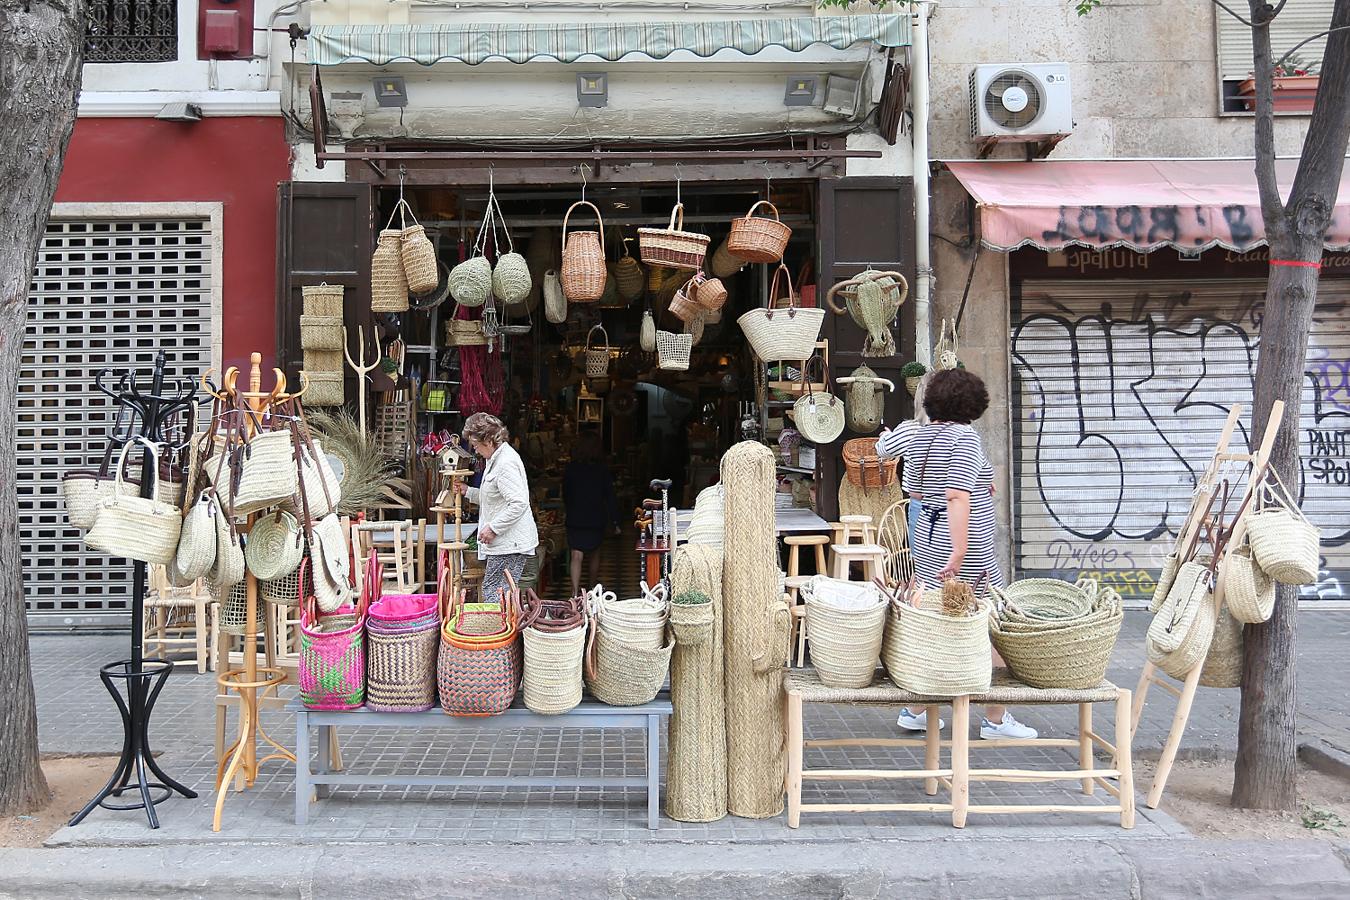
(683, 306)
(672, 246)
(597, 358)
(789, 333)
(672, 351)
(583, 259)
(631, 280)
(322, 299)
(388, 283)
(723, 264)
(757, 238)
(419, 256)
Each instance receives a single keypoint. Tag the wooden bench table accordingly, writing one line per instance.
(589, 714)
(804, 686)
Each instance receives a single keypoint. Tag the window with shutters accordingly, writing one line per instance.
(1296, 23)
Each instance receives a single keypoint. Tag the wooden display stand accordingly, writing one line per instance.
(1253, 466)
(454, 462)
(251, 682)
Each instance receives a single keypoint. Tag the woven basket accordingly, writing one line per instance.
(1223, 662)
(465, 333)
(619, 673)
(845, 641)
(1165, 579)
(912, 384)
(672, 351)
(647, 332)
(196, 552)
(597, 358)
(628, 276)
(290, 590)
(865, 469)
(332, 665)
(478, 677)
(1180, 634)
(267, 473)
(471, 281)
(1066, 653)
(639, 622)
(723, 264)
(511, 280)
(711, 295)
(402, 667)
(322, 299)
(1248, 592)
(388, 283)
(233, 600)
(419, 260)
(672, 246)
(275, 546)
(321, 332)
(758, 239)
(83, 489)
(552, 681)
(788, 333)
(1284, 543)
(818, 416)
(134, 527)
(683, 306)
(584, 272)
(325, 389)
(936, 655)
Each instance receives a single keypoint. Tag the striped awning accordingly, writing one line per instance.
(519, 42)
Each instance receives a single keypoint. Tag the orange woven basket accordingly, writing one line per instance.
(865, 469)
(584, 273)
(758, 238)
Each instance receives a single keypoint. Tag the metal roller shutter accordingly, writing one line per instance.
(105, 293)
(1121, 388)
(1298, 21)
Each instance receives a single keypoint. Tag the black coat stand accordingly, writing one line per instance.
(143, 678)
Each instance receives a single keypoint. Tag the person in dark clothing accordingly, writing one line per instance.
(588, 495)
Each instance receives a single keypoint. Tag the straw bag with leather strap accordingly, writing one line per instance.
(1284, 543)
(584, 272)
(673, 246)
(82, 489)
(253, 471)
(133, 527)
(788, 332)
(818, 416)
(864, 467)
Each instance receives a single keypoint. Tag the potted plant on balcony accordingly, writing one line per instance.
(1295, 87)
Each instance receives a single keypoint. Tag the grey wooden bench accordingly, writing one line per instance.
(589, 714)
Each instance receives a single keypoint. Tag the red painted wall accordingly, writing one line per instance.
(234, 161)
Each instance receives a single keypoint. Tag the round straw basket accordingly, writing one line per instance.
(325, 389)
(1285, 545)
(287, 590)
(912, 384)
(321, 332)
(511, 280)
(553, 660)
(845, 643)
(1248, 592)
(1223, 662)
(584, 273)
(936, 655)
(471, 281)
(388, 283)
(672, 350)
(758, 239)
(629, 277)
(624, 674)
(1049, 599)
(322, 299)
(711, 295)
(1070, 654)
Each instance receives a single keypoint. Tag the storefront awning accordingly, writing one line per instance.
(1191, 205)
(331, 45)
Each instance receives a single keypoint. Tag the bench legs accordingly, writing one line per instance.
(960, 760)
(1125, 759)
(794, 759)
(932, 749)
(301, 767)
(653, 771)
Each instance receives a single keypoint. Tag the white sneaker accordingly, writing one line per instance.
(1008, 728)
(911, 722)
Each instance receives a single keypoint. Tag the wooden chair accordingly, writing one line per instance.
(395, 545)
(893, 535)
(176, 619)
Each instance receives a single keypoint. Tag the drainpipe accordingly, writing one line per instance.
(923, 335)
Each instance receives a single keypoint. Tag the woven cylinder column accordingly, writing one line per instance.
(755, 631)
(696, 765)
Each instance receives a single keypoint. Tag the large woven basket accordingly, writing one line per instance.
(471, 281)
(135, 527)
(845, 640)
(1248, 592)
(788, 333)
(479, 675)
(758, 239)
(864, 468)
(552, 682)
(332, 666)
(1284, 543)
(325, 389)
(322, 299)
(628, 276)
(321, 332)
(673, 246)
(403, 634)
(620, 673)
(672, 350)
(1223, 662)
(584, 272)
(1046, 649)
(388, 283)
(936, 655)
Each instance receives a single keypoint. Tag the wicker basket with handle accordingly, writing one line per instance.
(788, 333)
(673, 246)
(584, 272)
(597, 357)
(672, 351)
(388, 283)
(865, 469)
(930, 653)
(757, 238)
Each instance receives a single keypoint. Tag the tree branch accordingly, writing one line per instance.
(1294, 49)
(1318, 179)
(1226, 9)
(1263, 72)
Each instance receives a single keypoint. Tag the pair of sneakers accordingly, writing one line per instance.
(1008, 728)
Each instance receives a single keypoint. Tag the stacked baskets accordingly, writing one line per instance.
(402, 632)
(1053, 634)
(628, 654)
(480, 663)
(322, 340)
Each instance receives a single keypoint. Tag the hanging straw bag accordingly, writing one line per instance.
(682, 305)
(845, 623)
(757, 238)
(419, 256)
(945, 350)
(1248, 591)
(555, 302)
(819, 417)
(865, 399)
(723, 264)
(628, 276)
(196, 552)
(555, 645)
(332, 665)
(229, 568)
(672, 246)
(1223, 663)
(134, 527)
(584, 272)
(1284, 543)
(511, 281)
(82, 489)
(388, 283)
(254, 472)
(597, 358)
(865, 468)
(937, 655)
(1179, 635)
(784, 333)
(647, 332)
(711, 294)
(672, 351)
(275, 546)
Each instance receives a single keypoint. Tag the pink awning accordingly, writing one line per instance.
(1191, 205)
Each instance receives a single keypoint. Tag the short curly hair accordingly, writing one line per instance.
(485, 429)
(955, 395)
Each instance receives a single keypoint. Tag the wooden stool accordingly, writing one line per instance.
(859, 527)
(795, 580)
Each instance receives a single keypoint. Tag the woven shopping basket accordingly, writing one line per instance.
(683, 306)
(864, 468)
(321, 332)
(929, 653)
(255, 472)
(619, 673)
(1223, 663)
(135, 527)
(402, 635)
(1046, 649)
(672, 350)
(479, 668)
(82, 489)
(1248, 592)
(332, 666)
(845, 624)
(672, 246)
(758, 238)
(555, 647)
(597, 358)
(818, 416)
(322, 299)
(1284, 543)
(1179, 635)
(584, 273)
(388, 283)
(786, 333)
(419, 256)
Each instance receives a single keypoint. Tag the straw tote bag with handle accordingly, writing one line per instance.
(819, 417)
(419, 256)
(583, 259)
(597, 357)
(673, 246)
(784, 333)
(1284, 543)
(82, 490)
(135, 527)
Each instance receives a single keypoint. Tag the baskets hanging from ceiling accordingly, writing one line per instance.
(757, 238)
(597, 358)
(583, 259)
(417, 252)
(388, 283)
(673, 246)
(672, 351)
(788, 333)
(628, 275)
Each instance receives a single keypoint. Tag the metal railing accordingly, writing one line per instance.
(131, 31)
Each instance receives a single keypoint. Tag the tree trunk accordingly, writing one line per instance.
(41, 45)
(1266, 768)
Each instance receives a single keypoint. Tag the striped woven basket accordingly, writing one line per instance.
(403, 631)
(673, 246)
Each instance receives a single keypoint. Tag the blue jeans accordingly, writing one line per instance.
(915, 510)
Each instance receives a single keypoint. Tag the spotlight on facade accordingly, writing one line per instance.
(180, 112)
(801, 90)
(593, 89)
(391, 91)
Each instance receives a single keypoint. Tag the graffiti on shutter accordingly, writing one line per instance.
(1122, 388)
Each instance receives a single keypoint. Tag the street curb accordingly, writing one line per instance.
(1325, 757)
(1046, 870)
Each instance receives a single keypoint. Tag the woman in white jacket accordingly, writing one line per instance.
(506, 530)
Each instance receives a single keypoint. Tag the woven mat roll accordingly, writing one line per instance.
(696, 766)
(756, 635)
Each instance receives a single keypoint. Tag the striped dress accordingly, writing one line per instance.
(940, 457)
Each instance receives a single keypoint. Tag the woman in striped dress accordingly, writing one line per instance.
(947, 470)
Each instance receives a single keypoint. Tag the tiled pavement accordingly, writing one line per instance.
(75, 716)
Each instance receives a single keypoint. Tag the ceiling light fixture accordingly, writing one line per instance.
(801, 90)
(592, 89)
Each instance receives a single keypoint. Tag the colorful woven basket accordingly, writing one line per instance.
(332, 666)
(402, 632)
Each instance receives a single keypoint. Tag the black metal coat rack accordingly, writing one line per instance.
(144, 678)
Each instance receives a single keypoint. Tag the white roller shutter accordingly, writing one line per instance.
(1121, 389)
(1298, 21)
(104, 293)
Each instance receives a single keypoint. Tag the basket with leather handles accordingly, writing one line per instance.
(864, 467)
(332, 666)
(673, 246)
(584, 272)
(1179, 635)
(82, 489)
(481, 660)
(782, 333)
(818, 415)
(758, 238)
(555, 645)
(135, 527)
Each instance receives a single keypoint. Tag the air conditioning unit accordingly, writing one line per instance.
(1020, 102)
